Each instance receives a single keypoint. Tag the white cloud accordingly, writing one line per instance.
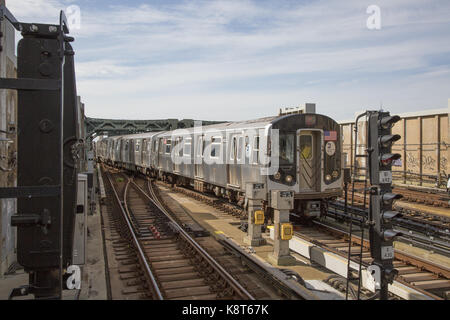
(227, 59)
(44, 11)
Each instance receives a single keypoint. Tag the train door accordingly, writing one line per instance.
(136, 160)
(178, 154)
(233, 163)
(153, 153)
(160, 153)
(117, 150)
(309, 160)
(131, 153)
(125, 152)
(143, 153)
(200, 145)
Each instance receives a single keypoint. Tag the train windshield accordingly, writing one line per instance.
(306, 147)
(287, 147)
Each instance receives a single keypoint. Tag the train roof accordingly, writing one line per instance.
(255, 123)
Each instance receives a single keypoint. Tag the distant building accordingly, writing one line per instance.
(307, 108)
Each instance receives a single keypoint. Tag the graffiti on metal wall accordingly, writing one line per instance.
(429, 162)
(444, 163)
(412, 161)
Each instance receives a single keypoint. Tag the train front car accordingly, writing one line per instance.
(309, 161)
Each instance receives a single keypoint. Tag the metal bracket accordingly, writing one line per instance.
(19, 292)
(26, 290)
(30, 84)
(30, 192)
(24, 220)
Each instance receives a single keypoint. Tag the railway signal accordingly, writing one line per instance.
(46, 166)
(381, 214)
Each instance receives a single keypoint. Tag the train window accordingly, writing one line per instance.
(239, 151)
(247, 148)
(200, 146)
(178, 142)
(137, 147)
(215, 147)
(154, 145)
(256, 150)
(168, 145)
(187, 146)
(233, 149)
(160, 146)
(306, 147)
(286, 148)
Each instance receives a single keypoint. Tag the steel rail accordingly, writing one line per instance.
(125, 202)
(402, 256)
(237, 287)
(405, 221)
(288, 286)
(137, 245)
(420, 238)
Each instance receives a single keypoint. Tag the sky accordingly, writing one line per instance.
(242, 59)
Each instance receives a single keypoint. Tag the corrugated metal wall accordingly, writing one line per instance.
(424, 147)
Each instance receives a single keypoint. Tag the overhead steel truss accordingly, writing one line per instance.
(117, 127)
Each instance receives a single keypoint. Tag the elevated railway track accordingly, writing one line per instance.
(167, 256)
(425, 279)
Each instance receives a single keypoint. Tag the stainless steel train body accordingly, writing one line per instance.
(300, 153)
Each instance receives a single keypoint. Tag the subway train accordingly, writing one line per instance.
(296, 152)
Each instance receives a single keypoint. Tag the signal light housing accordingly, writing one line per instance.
(388, 158)
(389, 215)
(388, 140)
(389, 235)
(388, 198)
(388, 122)
(390, 274)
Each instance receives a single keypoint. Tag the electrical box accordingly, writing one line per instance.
(255, 191)
(282, 200)
(287, 231)
(80, 231)
(259, 217)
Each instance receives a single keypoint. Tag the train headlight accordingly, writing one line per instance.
(328, 177)
(335, 174)
(288, 179)
(277, 176)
